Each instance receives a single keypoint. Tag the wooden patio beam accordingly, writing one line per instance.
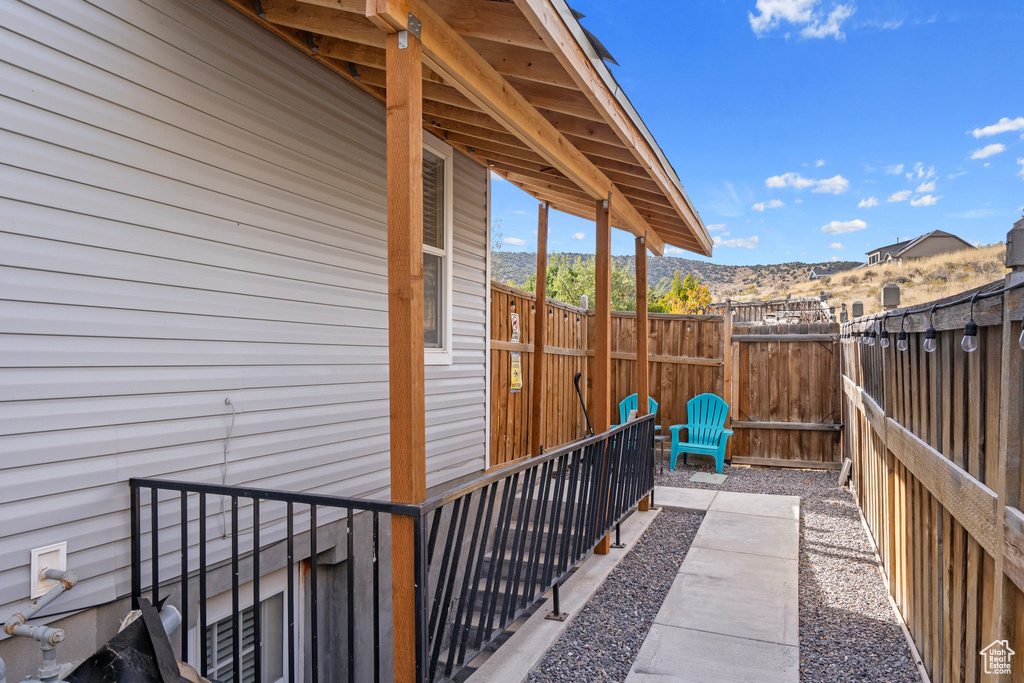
(540, 327)
(405, 326)
(449, 55)
(643, 389)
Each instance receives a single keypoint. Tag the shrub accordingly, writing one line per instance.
(869, 274)
(850, 280)
(942, 275)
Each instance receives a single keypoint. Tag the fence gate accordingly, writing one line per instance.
(785, 395)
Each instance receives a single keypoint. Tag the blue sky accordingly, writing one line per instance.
(810, 129)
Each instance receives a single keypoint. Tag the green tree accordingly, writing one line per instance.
(570, 278)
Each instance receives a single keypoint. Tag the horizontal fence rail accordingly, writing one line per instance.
(935, 440)
(485, 553)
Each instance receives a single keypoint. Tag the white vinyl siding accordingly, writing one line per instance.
(192, 210)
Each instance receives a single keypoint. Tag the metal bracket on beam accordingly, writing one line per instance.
(309, 42)
(415, 25)
(257, 7)
(353, 71)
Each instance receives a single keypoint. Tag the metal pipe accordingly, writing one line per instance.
(66, 581)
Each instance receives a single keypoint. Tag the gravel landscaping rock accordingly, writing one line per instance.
(604, 638)
(847, 629)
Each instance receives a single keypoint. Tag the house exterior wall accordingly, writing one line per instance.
(934, 246)
(194, 211)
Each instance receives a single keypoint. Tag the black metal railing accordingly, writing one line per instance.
(485, 554)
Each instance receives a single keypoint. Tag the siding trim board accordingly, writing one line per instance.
(192, 210)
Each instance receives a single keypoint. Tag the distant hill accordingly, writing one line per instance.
(724, 281)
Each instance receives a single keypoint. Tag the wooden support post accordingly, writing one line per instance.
(405, 329)
(728, 370)
(603, 335)
(540, 327)
(643, 379)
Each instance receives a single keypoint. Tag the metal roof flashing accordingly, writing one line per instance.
(568, 16)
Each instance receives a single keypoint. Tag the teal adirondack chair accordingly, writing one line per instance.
(631, 403)
(706, 427)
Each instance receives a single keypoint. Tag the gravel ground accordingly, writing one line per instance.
(604, 638)
(847, 629)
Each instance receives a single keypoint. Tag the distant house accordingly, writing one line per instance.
(930, 244)
(820, 273)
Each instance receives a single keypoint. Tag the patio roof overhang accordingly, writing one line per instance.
(520, 88)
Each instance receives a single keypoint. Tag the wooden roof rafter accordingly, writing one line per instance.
(493, 87)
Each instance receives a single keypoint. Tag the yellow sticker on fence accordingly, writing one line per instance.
(516, 380)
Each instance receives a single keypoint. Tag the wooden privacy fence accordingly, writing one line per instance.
(793, 310)
(784, 413)
(935, 440)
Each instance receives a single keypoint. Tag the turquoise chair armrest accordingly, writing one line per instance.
(727, 432)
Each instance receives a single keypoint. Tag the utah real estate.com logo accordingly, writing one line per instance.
(997, 658)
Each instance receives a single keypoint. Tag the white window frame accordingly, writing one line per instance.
(219, 607)
(443, 354)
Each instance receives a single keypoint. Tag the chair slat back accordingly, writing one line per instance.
(706, 413)
(632, 403)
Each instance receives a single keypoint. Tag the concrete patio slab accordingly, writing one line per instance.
(708, 478)
(732, 611)
(674, 654)
(770, 536)
(684, 500)
(785, 507)
(766, 611)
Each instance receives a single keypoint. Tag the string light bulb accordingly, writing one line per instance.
(901, 338)
(930, 344)
(970, 341)
(883, 338)
(870, 339)
(1021, 339)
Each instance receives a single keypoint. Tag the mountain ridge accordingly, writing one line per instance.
(724, 281)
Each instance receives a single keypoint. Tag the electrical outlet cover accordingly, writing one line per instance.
(48, 557)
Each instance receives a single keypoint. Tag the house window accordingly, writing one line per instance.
(220, 634)
(437, 251)
(220, 643)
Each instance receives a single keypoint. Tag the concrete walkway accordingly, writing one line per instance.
(732, 612)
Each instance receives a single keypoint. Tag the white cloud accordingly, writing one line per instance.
(924, 200)
(1004, 125)
(831, 26)
(579, 236)
(920, 172)
(926, 187)
(835, 185)
(773, 11)
(894, 170)
(798, 201)
(739, 242)
(834, 259)
(819, 163)
(901, 196)
(789, 179)
(514, 241)
(839, 227)
(1021, 174)
(673, 251)
(867, 203)
(773, 204)
(988, 150)
(836, 245)
(716, 227)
